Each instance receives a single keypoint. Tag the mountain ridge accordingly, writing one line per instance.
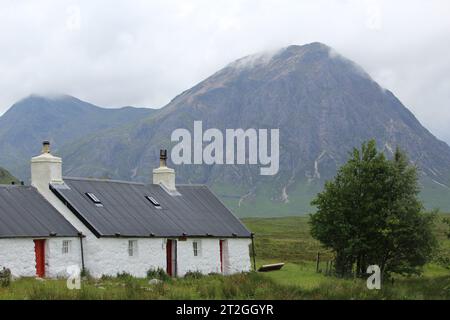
(61, 119)
(323, 104)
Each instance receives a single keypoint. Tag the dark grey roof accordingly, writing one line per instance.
(25, 213)
(126, 212)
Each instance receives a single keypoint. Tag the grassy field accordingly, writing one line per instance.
(288, 240)
(277, 240)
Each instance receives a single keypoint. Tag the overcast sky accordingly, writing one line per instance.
(143, 53)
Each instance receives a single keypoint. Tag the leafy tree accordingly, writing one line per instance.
(447, 221)
(370, 214)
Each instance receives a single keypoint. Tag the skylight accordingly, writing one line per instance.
(153, 201)
(94, 198)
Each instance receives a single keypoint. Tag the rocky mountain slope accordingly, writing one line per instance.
(323, 104)
(60, 119)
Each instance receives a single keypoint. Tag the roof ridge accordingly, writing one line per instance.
(14, 186)
(103, 180)
(132, 182)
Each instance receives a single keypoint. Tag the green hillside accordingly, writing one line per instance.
(433, 196)
(6, 177)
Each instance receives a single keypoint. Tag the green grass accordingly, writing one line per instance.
(286, 239)
(277, 240)
(294, 281)
(240, 286)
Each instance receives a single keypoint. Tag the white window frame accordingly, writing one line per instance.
(66, 247)
(197, 248)
(132, 248)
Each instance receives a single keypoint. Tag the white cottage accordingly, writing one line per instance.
(108, 227)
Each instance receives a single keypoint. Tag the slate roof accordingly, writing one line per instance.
(125, 211)
(25, 213)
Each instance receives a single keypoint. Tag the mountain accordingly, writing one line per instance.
(61, 119)
(323, 104)
(6, 177)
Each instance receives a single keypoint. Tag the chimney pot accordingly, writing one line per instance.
(163, 158)
(46, 146)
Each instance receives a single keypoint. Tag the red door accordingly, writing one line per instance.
(39, 249)
(171, 254)
(169, 257)
(221, 255)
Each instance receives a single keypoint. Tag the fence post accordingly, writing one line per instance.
(318, 262)
(254, 252)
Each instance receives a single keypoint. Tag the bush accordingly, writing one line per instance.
(85, 274)
(442, 257)
(124, 276)
(106, 277)
(193, 275)
(215, 274)
(158, 273)
(5, 277)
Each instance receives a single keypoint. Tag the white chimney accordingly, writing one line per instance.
(164, 175)
(45, 169)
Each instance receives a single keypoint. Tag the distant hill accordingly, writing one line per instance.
(6, 177)
(323, 104)
(62, 120)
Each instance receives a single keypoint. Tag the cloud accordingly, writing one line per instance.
(145, 52)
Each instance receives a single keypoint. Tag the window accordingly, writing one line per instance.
(196, 248)
(66, 246)
(154, 202)
(94, 198)
(132, 248)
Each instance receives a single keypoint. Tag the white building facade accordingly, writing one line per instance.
(128, 227)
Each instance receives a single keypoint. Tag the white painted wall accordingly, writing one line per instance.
(109, 256)
(18, 256)
(56, 262)
(237, 256)
(207, 261)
